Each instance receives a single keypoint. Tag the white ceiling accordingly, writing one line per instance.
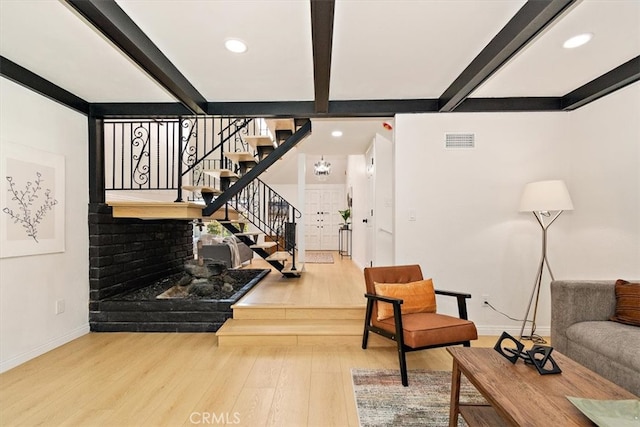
(382, 49)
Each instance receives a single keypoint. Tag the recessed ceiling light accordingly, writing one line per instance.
(577, 41)
(235, 45)
(336, 133)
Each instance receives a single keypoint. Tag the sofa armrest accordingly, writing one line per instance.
(574, 301)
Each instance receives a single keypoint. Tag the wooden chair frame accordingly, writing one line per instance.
(398, 336)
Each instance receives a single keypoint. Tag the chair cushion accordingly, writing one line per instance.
(418, 297)
(429, 329)
(627, 303)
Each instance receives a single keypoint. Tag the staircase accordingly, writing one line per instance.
(216, 161)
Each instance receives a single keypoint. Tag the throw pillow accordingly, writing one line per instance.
(627, 303)
(418, 297)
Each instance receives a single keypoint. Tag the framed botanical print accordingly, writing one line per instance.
(32, 197)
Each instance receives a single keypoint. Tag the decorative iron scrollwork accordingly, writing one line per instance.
(189, 140)
(140, 173)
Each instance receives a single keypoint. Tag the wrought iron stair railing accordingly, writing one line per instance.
(164, 154)
(272, 214)
(200, 152)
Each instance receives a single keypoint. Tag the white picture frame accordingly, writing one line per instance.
(32, 201)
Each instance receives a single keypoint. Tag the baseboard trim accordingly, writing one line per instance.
(514, 331)
(44, 348)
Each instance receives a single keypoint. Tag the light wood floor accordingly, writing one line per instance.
(340, 284)
(158, 379)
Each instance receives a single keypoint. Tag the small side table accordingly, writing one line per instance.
(345, 242)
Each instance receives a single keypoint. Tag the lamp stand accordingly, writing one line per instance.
(540, 216)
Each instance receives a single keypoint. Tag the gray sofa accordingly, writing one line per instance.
(222, 251)
(580, 329)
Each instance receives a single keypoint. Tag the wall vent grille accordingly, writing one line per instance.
(459, 140)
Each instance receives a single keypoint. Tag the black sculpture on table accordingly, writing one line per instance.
(538, 356)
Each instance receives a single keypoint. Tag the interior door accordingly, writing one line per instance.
(371, 199)
(332, 202)
(313, 218)
(322, 218)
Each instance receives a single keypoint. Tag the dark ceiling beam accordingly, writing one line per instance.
(486, 105)
(381, 107)
(30, 80)
(532, 18)
(139, 109)
(619, 77)
(109, 19)
(304, 109)
(262, 109)
(322, 39)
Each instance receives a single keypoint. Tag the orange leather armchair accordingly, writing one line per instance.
(416, 331)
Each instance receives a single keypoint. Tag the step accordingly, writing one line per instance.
(280, 124)
(283, 312)
(156, 210)
(265, 245)
(165, 210)
(295, 332)
(259, 141)
(221, 173)
(279, 256)
(289, 271)
(240, 156)
(202, 189)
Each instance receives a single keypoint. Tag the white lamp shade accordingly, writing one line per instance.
(546, 196)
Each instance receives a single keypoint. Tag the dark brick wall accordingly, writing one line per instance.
(127, 254)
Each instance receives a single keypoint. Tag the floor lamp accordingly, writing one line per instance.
(547, 200)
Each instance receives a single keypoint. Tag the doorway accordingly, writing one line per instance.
(322, 220)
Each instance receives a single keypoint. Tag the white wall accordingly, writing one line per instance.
(383, 201)
(29, 286)
(469, 235)
(605, 170)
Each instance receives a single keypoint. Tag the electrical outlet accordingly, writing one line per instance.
(485, 301)
(60, 306)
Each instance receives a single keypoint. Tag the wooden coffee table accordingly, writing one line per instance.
(519, 396)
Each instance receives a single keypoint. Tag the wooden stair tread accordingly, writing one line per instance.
(279, 256)
(282, 312)
(297, 332)
(325, 327)
(163, 210)
(221, 173)
(240, 156)
(265, 245)
(259, 141)
(288, 269)
(281, 124)
(201, 189)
